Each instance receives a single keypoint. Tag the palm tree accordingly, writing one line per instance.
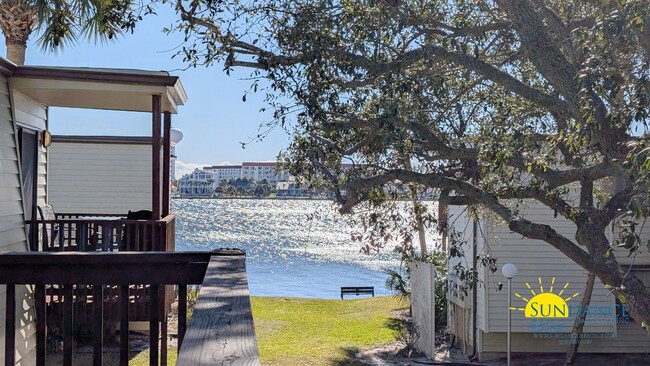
(62, 22)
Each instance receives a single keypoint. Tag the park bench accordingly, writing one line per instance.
(368, 290)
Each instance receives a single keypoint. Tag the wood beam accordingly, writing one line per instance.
(121, 268)
(221, 330)
(167, 151)
(155, 156)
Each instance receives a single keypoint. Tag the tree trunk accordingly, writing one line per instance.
(422, 237)
(17, 20)
(579, 322)
(16, 52)
(629, 289)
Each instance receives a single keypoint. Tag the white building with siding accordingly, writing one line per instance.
(26, 93)
(108, 174)
(23, 186)
(536, 260)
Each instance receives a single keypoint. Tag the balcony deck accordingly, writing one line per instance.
(221, 331)
(83, 232)
(102, 232)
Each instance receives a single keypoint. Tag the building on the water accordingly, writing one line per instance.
(269, 171)
(198, 184)
(224, 172)
(202, 183)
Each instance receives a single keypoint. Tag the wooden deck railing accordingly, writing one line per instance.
(70, 232)
(103, 233)
(221, 331)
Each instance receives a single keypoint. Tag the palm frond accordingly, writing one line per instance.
(398, 283)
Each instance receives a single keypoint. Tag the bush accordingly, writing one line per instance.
(398, 282)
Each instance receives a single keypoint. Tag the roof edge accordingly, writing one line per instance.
(124, 140)
(93, 75)
(7, 68)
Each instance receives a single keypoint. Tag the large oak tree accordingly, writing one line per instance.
(486, 102)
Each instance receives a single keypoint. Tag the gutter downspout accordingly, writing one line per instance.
(474, 355)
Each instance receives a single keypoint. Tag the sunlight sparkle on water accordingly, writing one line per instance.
(280, 240)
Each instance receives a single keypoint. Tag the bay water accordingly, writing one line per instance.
(295, 248)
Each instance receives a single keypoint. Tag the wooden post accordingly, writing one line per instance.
(39, 300)
(166, 195)
(167, 151)
(155, 156)
(98, 324)
(182, 314)
(124, 325)
(154, 312)
(10, 325)
(67, 324)
(163, 328)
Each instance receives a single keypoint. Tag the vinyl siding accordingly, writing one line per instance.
(534, 260)
(12, 231)
(99, 178)
(630, 338)
(642, 257)
(461, 223)
(460, 307)
(33, 115)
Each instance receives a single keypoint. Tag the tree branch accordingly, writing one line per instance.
(519, 225)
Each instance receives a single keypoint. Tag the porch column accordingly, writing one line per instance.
(167, 153)
(155, 156)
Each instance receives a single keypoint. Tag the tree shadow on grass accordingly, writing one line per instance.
(403, 332)
(349, 358)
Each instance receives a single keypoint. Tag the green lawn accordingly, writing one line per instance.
(294, 331)
(143, 358)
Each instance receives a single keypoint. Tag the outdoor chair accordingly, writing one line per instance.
(138, 237)
(50, 232)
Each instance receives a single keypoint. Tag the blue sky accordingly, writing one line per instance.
(214, 121)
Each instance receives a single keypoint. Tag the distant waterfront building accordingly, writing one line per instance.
(199, 183)
(204, 182)
(263, 170)
(293, 187)
(226, 172)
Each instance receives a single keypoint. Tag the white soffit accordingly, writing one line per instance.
(122, 90)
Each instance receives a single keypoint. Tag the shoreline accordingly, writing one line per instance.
(255, 198)
(276, 198)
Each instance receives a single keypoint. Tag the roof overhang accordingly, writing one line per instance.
(96, 88)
